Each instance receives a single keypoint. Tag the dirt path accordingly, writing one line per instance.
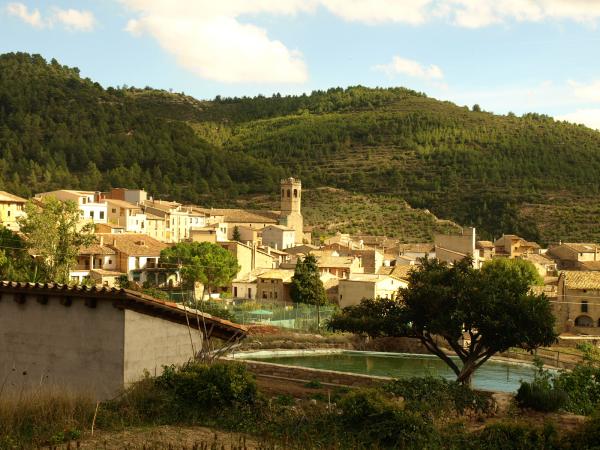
(165, 437)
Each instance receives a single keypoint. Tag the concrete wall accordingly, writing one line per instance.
(352, 292)
(75, 346)
(151, 343)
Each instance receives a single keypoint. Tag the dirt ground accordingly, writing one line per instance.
(165, 437)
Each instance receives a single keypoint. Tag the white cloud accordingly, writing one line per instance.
(208, 39)
(75, 20)
(378, 11)
(403, 66)
(589, 92)
(33, 18)
(71, 19)
(589, 117)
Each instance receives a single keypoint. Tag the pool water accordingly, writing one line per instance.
(493, 375)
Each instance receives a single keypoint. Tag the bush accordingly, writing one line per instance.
(541, 397)
(209, 386)
(588, 437)
(582, 384)
(541, 394)
(380, 420)
(502, 436)
(438, 396)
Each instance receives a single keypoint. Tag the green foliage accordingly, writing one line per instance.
(382, 421)
(213, 386)
(307, 286)
(493, 307)
(541, 394)
(203, 262)
(52, 233)
(437, 396)
(15, 262)
(216, 310)
(515, 436)
(236, 234)
(515, 268)
(582, 383)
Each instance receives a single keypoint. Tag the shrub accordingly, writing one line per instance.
(502, 436)
(209, 386)
(582, 384)
(382, 421)
(438, 396)
(541, 397)
(541, 394)
(588, 437)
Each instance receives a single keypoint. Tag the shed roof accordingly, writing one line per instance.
(135, 301)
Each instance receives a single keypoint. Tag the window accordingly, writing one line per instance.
(91, 214)
(275, 294)
(114, 210)
(102, 214)
(584, 306)
(264, 295)
(295, 193)
(8, 213)
(84, 200)
(288, 193)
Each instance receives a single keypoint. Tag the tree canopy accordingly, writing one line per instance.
(204, 262)
(307, 286)
(476, 313)
(52, 232)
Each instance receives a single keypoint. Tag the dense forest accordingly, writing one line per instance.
(499, 173)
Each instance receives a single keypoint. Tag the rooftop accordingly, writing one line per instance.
(581, 279)
(242, 215)
(8, 197)
(133, 244)
(278, 274)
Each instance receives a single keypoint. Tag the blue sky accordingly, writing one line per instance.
(506, 55)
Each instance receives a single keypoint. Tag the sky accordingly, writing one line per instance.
(505, 55)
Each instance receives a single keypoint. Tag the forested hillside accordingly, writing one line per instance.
(499, 173)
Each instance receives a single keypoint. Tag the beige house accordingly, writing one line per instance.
(274, 285)
(156, 227)
(570, 255)
(127, 215)
(486, 249)
(11, 208)
(372, 259)
(250, 257)
(451, 248)
(245, 286)
(278, 237)
(578, 304)
(216, 232)
(91, 205)
(97, 263)
(512, 246)
(177, 219)
(545, 266)
(341, 266)
(95, 341)
(359, 286)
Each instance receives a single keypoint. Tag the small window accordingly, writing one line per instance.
(295, 193)
(288, 193)
(114, 210)
(584, 306)
(8, 213)
(264, 295)
(102, 214)
(91, 214)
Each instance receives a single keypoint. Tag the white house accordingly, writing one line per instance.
(278, 237)
(91, 206)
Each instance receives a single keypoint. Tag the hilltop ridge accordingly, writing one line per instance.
(500, 173)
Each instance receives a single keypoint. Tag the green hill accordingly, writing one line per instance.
(529, 175)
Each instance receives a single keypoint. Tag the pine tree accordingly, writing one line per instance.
(307, 286)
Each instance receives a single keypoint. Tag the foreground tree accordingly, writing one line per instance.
(209, 264)
(53, 233)
(307, 286)
(477, 313)
(16, 264)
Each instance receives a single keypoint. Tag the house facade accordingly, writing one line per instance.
(578, 303)
(352, 290)
(11, 208)
(91, 205)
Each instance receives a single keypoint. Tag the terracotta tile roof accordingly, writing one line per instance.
(582, 247)
(278, 274)
(97, 249)
(243, 215)
(135, 301)
(122, 204)
(335, 261)
(8, 197)
(589, 265)
(581, 279)
(485, 244)
(279, 227)
(133, 244)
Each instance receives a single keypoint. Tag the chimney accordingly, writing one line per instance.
(101, 241)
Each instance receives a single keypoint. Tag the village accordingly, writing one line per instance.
(131, 229)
